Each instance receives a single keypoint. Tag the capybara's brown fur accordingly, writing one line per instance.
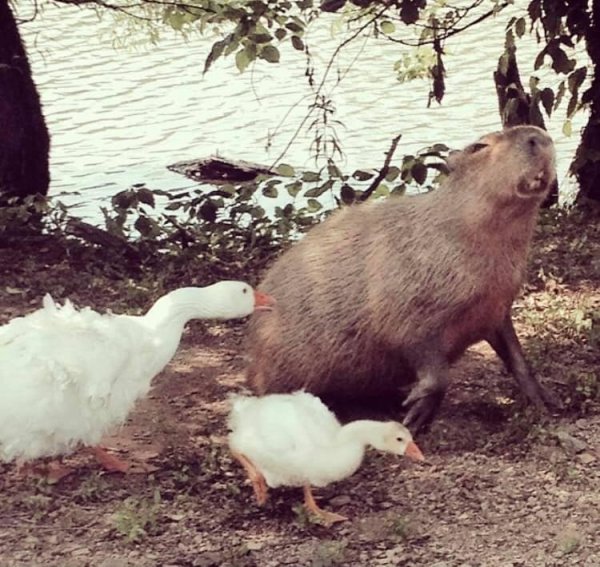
(385, 292)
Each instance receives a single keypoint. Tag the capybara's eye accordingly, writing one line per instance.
(473, 148)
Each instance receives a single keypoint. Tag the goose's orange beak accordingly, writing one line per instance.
(413, 452)
(263, 301)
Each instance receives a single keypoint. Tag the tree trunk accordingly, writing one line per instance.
(24, 139)
(586, 165)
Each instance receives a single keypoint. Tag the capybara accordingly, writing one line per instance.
(386, 293)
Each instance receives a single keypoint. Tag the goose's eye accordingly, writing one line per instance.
(399, 439)
(245, 290)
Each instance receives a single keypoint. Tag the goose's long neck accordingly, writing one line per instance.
(166, 313)
(165, 322)
(358, 433)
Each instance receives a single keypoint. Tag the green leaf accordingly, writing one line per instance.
(208, 211)
(333, 170)
(362, 175)
(215, 52)
(257, 212)
(547, 96)
(146, 196)
(409, 11)
(294, 27)
(535, 10)
(294, 188)
(270, 53)
(387, 27)
(285, 170)
(318, 191)
(242, 60)
(280, 33)
(520, 27)
(297, 43)
(228, 189)
(310, 177)
(560, 62)
(559, 94)
(260, 37)
(143, 225)
(576, 78)
(539, 60)
(567, 128)
(270, 191)
(123, 200)
(382, 191)
(392, 173)
(347, 194)
(313, 205)
(419, 172)
(332, 5)
(399, 189)
(572, 106)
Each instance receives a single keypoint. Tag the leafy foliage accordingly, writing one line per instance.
(234, 229)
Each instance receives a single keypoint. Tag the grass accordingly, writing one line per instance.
(327, 553)
(135, 518)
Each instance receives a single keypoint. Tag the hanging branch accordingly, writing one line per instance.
(383, 171)
(323, 79)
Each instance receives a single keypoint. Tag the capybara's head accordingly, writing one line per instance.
(517, 162)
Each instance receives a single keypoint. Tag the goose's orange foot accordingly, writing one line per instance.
(53, 471)
(328, 518)
(56, 471)
(258, 481)
(110, 462)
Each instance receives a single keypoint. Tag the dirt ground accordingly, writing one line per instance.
(501, 486)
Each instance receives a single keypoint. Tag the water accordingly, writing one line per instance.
(119, 117)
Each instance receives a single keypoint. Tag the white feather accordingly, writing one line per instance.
(295, 440)
(67, 376)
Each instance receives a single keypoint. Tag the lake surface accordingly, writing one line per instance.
(120, 116)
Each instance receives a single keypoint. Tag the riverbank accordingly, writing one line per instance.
(501, 485)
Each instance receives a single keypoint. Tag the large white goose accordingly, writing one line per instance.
(67, 376)
(295, 440)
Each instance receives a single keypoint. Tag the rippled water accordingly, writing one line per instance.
(119, 117)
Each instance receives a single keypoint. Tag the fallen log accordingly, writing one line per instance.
(216, 169)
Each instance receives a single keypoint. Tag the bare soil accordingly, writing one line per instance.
(501, 485)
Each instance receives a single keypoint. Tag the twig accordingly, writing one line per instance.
(383, 171)
(324, 78)
(450, 32)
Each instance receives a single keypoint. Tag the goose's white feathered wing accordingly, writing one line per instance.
(60, 370)
(283, 435)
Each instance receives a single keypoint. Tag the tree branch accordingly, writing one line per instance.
(383, 171)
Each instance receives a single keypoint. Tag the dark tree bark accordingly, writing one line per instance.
(516, 104)
(24, 138)
(586, 165)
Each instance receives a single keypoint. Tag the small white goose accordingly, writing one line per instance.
(295, 440)
(68, 376)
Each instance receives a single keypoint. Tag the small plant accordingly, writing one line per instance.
(135, 519)
(400, 528)
(306, 518)
(328, 553)
(569, 541)
(92, 488)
